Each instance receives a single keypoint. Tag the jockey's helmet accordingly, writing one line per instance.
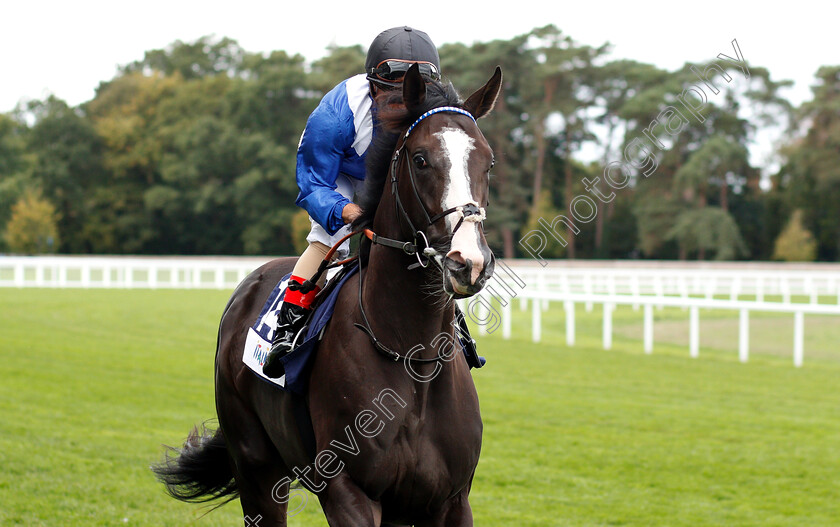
(394, 50)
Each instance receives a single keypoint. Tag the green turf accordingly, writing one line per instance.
(92, 382)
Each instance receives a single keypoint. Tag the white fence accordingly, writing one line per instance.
(819, 286)
(690, 288)
(125, 272)
(685, 282)
(693, 305)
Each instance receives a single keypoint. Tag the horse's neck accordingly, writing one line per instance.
(408, 309)
(402, 294)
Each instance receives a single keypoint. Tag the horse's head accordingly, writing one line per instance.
(440, 178)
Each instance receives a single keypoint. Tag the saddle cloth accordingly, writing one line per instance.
(260, 335)
(297, 362)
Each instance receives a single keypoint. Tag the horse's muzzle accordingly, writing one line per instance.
(461, 278)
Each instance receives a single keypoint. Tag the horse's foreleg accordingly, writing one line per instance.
(345, 505)
(456, 512)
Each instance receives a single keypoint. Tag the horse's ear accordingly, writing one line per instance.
(481, 102)
(414, 88)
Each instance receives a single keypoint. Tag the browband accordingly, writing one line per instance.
(450, 109)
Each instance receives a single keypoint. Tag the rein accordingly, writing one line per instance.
(377, 344)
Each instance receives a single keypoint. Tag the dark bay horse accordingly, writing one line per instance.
(393, 407)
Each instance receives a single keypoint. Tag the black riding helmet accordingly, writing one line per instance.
(394, 50)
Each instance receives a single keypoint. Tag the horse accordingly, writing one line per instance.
(394, 412)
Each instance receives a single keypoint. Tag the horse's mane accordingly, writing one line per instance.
(392, 118)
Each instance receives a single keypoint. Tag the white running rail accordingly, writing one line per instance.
(815, 284)
(125, 272)
(692, 289)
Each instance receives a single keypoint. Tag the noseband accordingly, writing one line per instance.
(470, 212)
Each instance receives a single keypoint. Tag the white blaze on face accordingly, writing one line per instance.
(457, 146)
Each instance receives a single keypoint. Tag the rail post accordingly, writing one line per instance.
(744, 335)
(694, 332)
(798, 338)
(569, 306)
(648, 329)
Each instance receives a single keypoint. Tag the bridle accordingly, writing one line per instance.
(469, 212)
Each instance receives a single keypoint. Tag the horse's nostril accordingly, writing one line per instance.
(454, 265)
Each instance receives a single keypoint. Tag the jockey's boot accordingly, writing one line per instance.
(290, 319)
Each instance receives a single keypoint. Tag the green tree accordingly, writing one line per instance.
(300, 229)
(200, 141)
(273, 97)
(222, 191)
(128, 114)
(547, 212)
(15, 167)
(721, 175)
(206, 57)
(810, 179)
(68, 164)
(192, 150)
(795, 243)
(713, 164)
(655, 214)
(340, 63)
(32, 228)
(615, 84)
(710, 229)
(563, 90)
(12, 147)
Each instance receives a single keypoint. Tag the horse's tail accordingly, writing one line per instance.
(200, 471)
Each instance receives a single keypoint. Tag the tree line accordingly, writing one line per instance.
(191, 150)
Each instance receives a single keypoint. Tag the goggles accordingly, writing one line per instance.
(393, 70)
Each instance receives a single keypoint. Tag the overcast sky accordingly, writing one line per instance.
(67, 48)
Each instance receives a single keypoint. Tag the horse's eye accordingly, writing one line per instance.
(420, 161)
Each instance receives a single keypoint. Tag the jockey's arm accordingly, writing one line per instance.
(319, 157)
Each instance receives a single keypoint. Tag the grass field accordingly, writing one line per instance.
(92, 382)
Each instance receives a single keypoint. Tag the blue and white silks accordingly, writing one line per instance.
(333, 144)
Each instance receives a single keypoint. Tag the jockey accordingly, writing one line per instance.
(331, 166)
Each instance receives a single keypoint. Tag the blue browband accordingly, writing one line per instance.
(450, 109)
